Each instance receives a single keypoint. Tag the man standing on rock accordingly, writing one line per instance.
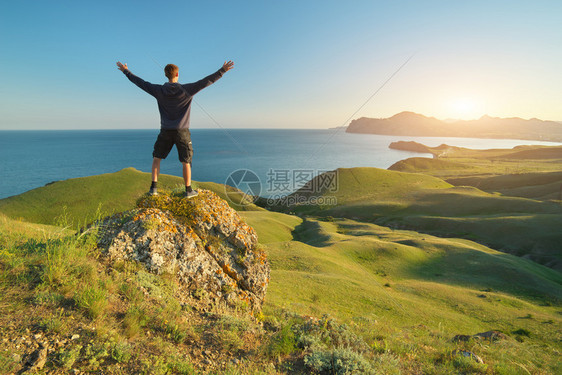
(174, 103)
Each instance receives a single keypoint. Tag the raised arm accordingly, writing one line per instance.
(146, 86)
(195, 87)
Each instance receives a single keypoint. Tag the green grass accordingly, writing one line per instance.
(524, 171)
(448, 286)
(54, 284)
(367, 251)
(537, 185)
(274, 227)
(79, 201)
(427, 204)
(404, 293)
(356, 184)
(364, 184)
(418, 164)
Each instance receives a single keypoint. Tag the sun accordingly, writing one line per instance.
(465, 108)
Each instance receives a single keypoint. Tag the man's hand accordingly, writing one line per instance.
(122, 67)
(227, 65)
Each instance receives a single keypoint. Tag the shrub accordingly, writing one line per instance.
(337, 361)
(96, 353)
(282, 342)
(121, 352)
(48, 298)
(154, 365)
(328, 333)
(152, 283)
(67, 357)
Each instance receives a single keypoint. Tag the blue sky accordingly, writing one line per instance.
(299, 64)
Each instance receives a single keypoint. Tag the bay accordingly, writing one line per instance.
(31, 159)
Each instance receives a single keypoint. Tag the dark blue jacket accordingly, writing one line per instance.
(174, 99)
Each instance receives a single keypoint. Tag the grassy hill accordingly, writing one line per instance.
(410, 293)
(520, 226)
(405, 294)
(59, 297)
(81, 200)
(528, 171)
(355, 249)
(537, 185)
(425, 164)
(366, 184)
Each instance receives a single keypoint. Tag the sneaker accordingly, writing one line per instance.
(153, 191)
(191, 194)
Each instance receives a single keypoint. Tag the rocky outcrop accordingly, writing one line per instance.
(488, 335)
(211, 250)
(467, 354)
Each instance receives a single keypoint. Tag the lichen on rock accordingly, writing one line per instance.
(203, 241)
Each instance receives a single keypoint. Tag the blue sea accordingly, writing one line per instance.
(31, 159)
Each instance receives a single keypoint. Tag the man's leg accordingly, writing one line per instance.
(186, 173)
(155, 169)
(155, 173)
(162, 147)
(189, 192)
(185, 154)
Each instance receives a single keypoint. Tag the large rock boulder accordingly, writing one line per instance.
(204, 242)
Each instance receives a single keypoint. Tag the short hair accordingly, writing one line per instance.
(171, 71)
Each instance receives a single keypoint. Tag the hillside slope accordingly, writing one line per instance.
(365, 184)
(403, 295)
(537, 185)
(79, 201)
(400, 286)
(528, 171)
(520, 226)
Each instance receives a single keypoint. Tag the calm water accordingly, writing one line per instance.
(30, 159)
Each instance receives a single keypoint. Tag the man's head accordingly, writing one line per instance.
(171, 71)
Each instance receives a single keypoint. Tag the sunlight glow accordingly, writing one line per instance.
(465, 108)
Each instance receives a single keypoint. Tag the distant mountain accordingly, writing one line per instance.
(415, 124)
